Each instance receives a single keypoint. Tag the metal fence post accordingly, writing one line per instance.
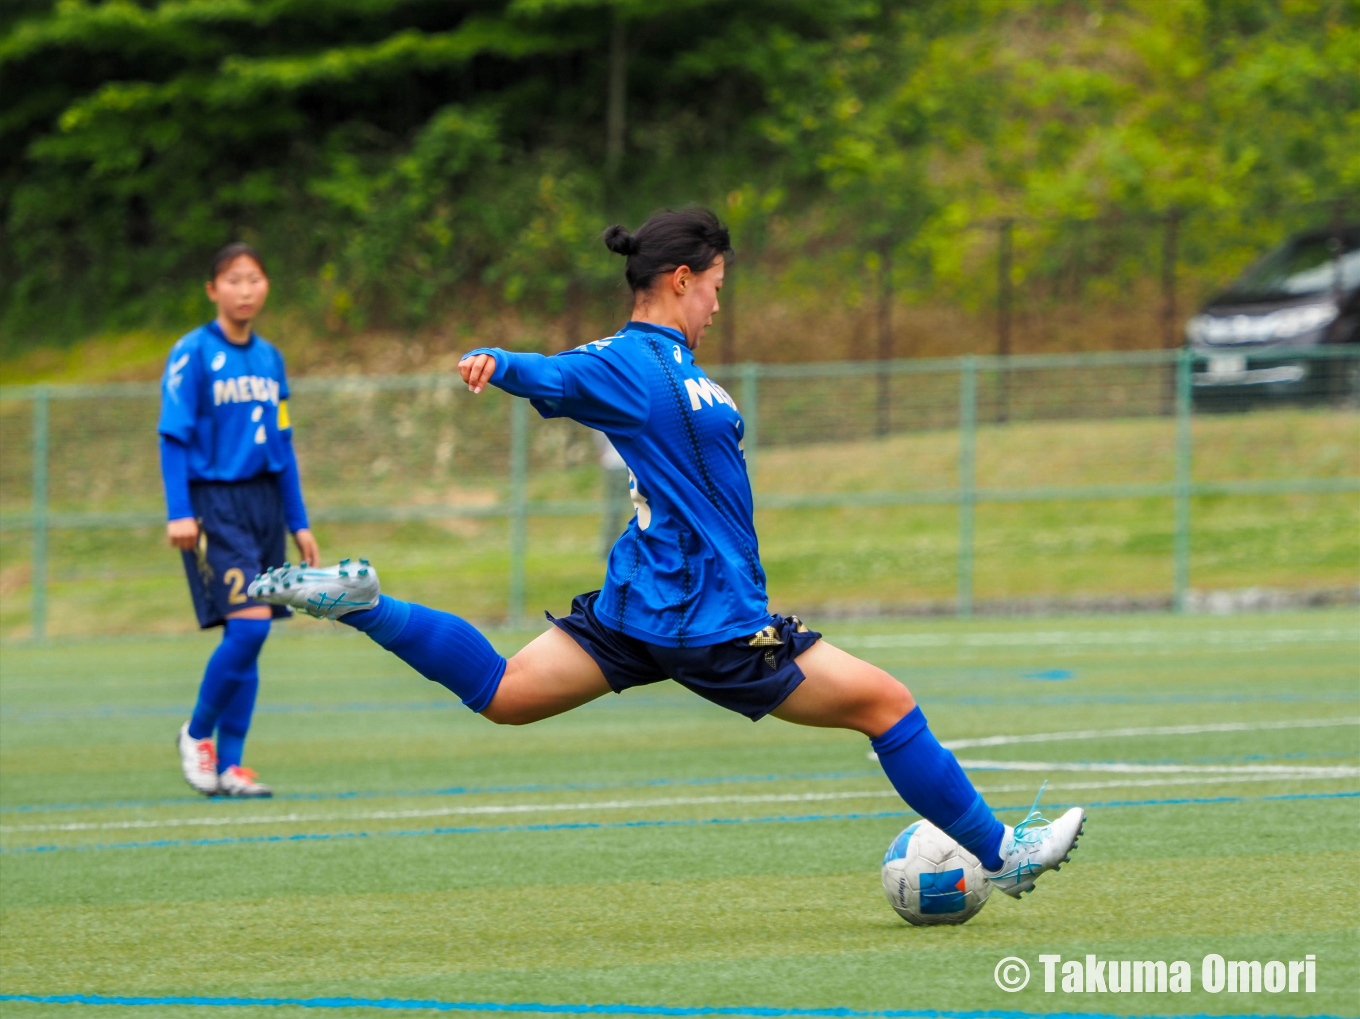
(1170, 238)
(885, 335)
(1184, 449)
(519, 508)
(38, 563)
(1005, 245)
(750, 416)
(967, 479)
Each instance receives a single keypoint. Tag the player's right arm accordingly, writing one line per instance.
(179, 407)
(477, 370)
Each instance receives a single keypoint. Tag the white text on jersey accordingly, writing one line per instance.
(245, 389)
(708, 391)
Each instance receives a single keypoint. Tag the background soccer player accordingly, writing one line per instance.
(231, 488)
(684, 594)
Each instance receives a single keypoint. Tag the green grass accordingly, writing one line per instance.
(783, 914)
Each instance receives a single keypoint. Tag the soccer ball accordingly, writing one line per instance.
(931, 879)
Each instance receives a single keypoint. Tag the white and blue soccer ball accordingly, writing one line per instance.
(931, 879)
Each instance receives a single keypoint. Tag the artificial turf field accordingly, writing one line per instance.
(654, 851)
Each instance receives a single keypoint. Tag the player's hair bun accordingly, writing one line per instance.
(693, 237)
(618, 240)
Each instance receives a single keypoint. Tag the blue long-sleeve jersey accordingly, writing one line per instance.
(686, 572)
(224, 417)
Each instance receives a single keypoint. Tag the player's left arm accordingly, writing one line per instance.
(290, 483)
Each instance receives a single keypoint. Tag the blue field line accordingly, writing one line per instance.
(398, 794)
(448, 704)
(240, 840)
(648, 783)
(182, 710)
(545, 1008)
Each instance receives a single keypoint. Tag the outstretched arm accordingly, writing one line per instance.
(531, 375)
(599, 390)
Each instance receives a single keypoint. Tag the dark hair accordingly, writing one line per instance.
(231, 253)
(692, 237)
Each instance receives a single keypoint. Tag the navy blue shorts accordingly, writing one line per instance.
(750, 675)
(241, 532)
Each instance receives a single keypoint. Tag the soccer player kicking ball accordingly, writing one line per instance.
(231, 488)
(684, 592)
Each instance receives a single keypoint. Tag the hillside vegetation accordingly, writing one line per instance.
(422, 169)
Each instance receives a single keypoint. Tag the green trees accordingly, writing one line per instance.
(396, 157)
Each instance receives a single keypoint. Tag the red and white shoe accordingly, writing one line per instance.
(239, 781)
(199, 761)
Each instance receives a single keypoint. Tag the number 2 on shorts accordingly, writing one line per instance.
(237, 580)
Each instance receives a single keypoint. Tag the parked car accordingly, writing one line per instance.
(1298, 297)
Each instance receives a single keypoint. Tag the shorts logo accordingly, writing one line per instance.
(769, 639)
(205, 570)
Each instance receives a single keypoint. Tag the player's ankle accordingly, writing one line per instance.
(384, 622)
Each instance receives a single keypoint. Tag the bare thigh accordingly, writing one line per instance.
(841, 691)
(253, 612)
(550, 675)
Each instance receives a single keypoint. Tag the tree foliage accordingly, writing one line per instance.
(395, 157)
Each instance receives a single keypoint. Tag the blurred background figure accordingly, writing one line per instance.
(613, 493)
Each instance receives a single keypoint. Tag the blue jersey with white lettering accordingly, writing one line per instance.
(686, 572)
(227, 403)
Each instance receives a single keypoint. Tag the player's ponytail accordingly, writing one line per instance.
(693, 237)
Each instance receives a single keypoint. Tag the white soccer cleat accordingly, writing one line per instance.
(239, 781)
(199, 761)
(326, 593)
(1027, 851)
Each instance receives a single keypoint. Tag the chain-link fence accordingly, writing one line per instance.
(966, 484)
(1004, 286)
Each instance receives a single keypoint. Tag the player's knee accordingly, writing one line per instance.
(247, 631)
(890, 703)
(897, 698)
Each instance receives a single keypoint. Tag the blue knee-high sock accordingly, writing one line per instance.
(231, 664)
(929, 778)
(234, 722)
(440, 646)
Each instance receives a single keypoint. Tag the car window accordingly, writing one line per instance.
(1300, 267)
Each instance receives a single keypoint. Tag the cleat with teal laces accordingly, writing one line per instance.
(1034, 847)
(326, 593)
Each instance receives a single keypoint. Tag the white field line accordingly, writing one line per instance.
(477, 810)
(1246, 773)
(1243, 639)
(1120, 768)
(1130, 783)
(1149, 730)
